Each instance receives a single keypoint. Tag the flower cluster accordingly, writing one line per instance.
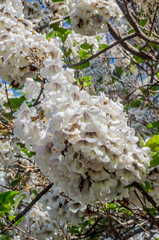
(83, 142)
(50, 215)
(22, 50)
(91, 17)
(35, 12)
(61, 8)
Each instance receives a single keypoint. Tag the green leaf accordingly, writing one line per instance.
(102, 46)
(83, 54)
(147, 186)
(153, 125)
(143, 22)
(74, 230)
(68, 52)
(112, 206)
(60, 32)
(126, 107)
(85, 223)
(135, 103)
(5, 208)
(7, 196)
(139, 60)
(141, 140)
(158, 74)
(85, 65)
(18, 200)
(15, 102)
(54, 34)
(29, 154)
(68, 21)
(3, 237)
(155, 160)
(85, 46)
(34, 191)
(15, 182)
(85, 79)
(153, 143)
(131, 31)
(97, 38)
(19, 220)
(120, 71)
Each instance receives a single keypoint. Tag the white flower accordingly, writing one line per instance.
(91, 17)
(22, 50)
(85, 145)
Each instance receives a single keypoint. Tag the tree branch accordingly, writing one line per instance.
(147, 196)
(30, 205)
(38, 29)
(125, 10)
(129, 47)
(102, 51)
(9, 104)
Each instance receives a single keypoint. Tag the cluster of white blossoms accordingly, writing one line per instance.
(61, 8)
(22, 50)
(83, 142)
(90, 17)
(39, 223)
(50, 215)
(35, 12)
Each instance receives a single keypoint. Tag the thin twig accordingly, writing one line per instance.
(9, 104)
(38, 29)
(153, 21)
(125, 10)
(19, 229)
(153, 220)
(127, 46)
(41, 92)
(147, 196)
(30, 205)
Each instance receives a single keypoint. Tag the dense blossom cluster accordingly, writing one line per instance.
(22, 50)
(90, 17)
(50, 215)
(59, 8)
(85, 144)
(35, 12)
